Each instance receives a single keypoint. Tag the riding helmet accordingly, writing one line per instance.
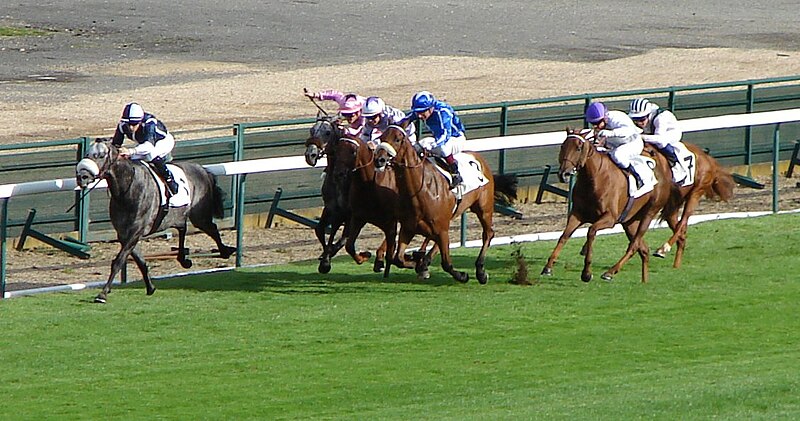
(595, 112)
(422, 101)
(132, 113)
(640, 107)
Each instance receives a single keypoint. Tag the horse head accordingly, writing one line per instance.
(395, 146)
(321, 134)
(101, 154)
(574, 152)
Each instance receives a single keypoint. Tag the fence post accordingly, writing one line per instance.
(748, 133)
(775, 156)
(501, 164)
(82, 209)
(3, 238)
(239, 220)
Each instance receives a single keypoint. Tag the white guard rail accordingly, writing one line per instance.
(494, 143)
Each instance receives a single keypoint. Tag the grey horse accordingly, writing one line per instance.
(136, 211)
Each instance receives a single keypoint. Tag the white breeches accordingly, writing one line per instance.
(147, 151)
(451, 147)
(623, 155)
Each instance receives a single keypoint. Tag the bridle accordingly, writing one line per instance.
(583, 142)
(392, 152)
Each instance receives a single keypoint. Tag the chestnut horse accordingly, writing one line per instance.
(427, 203)
(711, 181)
(600, 197)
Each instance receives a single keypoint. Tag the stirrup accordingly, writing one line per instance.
(456, 179)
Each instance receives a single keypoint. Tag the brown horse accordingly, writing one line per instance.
(711, 181)
(373, 198)
(428, 205)
(600, 197)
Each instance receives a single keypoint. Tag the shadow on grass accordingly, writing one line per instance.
(302, 277)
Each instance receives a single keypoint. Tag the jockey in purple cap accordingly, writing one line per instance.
(616, 131)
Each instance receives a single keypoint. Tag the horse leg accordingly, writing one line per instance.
(399, 258)
(116, 266)
(635, 232)
(380, 257)
(672, 222)
(137, 257)
(485, 218)
(210, 228)
(572, 224)
(389, 244)
(355, 227)
(683, 227)
(185, 261)
(424, 260)
(443, 241)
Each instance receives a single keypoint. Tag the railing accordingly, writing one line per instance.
(240, 169)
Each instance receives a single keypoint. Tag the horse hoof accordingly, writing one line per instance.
(547, 271)
(228, 252)
(324, 266)
(423, 275)
(378, 266)
(587, 277)
(659, 253)
(151, 291)
(186, 263)
(100, 300)
(483, 278)
(606, 276)
(462, 277)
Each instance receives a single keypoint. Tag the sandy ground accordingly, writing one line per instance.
(201, 94)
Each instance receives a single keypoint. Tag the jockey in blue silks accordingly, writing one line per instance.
(155, 143)
(448, 132)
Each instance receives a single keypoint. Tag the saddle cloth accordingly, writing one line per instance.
(180, 199)
(470, 170)
(648, 177)
(689, 162)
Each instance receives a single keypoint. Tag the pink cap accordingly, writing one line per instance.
(350, 106)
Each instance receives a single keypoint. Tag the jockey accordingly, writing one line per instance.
(378, 117)
(660, 129)
(155, 143)
(616, 131)
(448, 132)
(349, 108)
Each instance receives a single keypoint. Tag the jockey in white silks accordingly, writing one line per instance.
(349, 108)
(661, 129)
(616, 131)
(378, 117)
(155, 143)
(448, 133)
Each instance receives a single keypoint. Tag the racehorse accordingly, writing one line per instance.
(600, 197)
(711, 181)
(374, 199)
(136, 210)
(428, 204)
(336, 209)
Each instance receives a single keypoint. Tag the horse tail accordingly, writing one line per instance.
(217, 197)
(723, 184)
(505, 187)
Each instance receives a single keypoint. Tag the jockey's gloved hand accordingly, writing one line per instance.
(605, 133)
(427, 143)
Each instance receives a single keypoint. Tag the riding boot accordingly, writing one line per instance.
(672, 156)
(161, 169)
(452, 165)
(639, 181)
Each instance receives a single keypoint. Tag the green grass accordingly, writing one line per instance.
(10, 31)
(717, 338)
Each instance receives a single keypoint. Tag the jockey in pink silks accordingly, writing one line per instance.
(349, 108)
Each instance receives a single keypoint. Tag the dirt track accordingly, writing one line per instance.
(89, 66)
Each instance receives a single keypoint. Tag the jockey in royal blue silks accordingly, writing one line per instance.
(448, 132)
(155, 143)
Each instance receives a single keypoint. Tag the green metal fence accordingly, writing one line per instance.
(56, 159)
